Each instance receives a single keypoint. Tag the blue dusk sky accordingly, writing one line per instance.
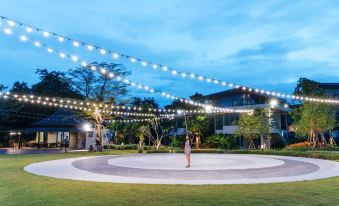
(263, 44)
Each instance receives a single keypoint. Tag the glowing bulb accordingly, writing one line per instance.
(115, 55)
(84, 64)
(29, 29)
(165, 68)
(49, 50)
(62, 55)
(93, 68)
(7, 31)
(144, 64)
(201, 78)
(192, 75)
(103, 70)
(45, 34)
(155, 66)
(133, 60)
(75, 43)
(37, 44)
(23, 38)
(61, 39)
(11, 23)
(75, 58)
(174, 72)
(90, 47)
(102, 51)
(183, 74)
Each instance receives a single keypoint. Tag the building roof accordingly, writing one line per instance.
(237, 91)
(61, 117)
(329, 85)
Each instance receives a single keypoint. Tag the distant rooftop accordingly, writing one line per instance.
(329, 85)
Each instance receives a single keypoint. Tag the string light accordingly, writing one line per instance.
(75, 59)
(165, 68)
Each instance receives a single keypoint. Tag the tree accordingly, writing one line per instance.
(83, 79)
(314, 120)
(54, 83)
(198, 125)
(20, 88)
(106, 88)
(2, 88)
(177, 104)
(252, 126)
(307, 87)
(145, 103)
(155, 132)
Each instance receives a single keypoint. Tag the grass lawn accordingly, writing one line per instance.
(20, 188)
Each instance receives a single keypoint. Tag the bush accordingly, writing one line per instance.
(177, 141)
(1, 145)
(222, 141)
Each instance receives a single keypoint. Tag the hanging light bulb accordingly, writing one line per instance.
(29, 29)
(102, 51)
(45, 34)
(90, 47)
(23, 38)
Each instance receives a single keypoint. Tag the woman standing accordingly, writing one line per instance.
(188, 151)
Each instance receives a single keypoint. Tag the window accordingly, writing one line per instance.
(62, 137)
(230, 119)
(219, 122)
(43, 136)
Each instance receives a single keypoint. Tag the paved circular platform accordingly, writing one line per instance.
(170, 169)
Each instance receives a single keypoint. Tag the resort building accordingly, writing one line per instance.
(60, 128)
(224, 123)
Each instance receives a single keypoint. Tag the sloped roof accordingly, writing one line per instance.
(61, 117)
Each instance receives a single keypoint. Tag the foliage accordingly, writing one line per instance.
(222, 141)
(145, 103)
(198, 123)
(252, 125)
(307, 87)
(177, 141)
(54, 83)
(83, 79)
(314, 118)
(20, 88)
(155, 132)
(177, 104)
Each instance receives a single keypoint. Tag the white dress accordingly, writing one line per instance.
(187, 147)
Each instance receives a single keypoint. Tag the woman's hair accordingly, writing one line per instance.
(189, 139)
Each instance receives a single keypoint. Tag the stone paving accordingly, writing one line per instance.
(170, 169)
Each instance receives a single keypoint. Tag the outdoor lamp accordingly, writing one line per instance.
(273, 102)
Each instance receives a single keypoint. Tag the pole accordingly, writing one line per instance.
(185, 122)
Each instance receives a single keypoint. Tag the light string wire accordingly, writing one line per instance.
(89, 106)
(68, 104)
(116, 55)
(106, 71)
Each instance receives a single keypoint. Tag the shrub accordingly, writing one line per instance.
(222, 141)
(177, 141)
(1, 145)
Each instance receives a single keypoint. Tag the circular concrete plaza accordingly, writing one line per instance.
(170, 169)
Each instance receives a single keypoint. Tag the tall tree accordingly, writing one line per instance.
(314, 120)
(145, 103)
(20, 88)
(252, 126)
(106, 88)
(84, 80)
(307, 87)
(54, 83)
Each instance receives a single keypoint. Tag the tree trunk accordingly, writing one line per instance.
(251, 145)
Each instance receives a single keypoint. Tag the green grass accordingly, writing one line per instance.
(20, 188)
